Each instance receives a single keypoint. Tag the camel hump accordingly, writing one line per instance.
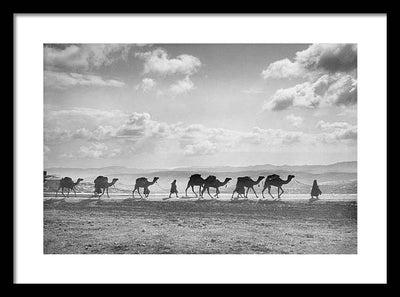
(195, 175)
(67, 179)
(141, 179)
(272, 176)
(100, 179)
(211, 178)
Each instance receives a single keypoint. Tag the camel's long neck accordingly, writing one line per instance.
(112, 183)
(257, 181)
(224, 182)
(152, 182)
(77, 182)
(287, 180)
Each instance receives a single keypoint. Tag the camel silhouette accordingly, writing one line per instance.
(245, 182)
(68, 183)
(142, 182)
(213, 182)
(101, 185)
(276, 181)
(195, 180)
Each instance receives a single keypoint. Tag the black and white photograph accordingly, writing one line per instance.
(203, 144)
(200, 148)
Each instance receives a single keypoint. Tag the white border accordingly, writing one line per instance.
(368, 266)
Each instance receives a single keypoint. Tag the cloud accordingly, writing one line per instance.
(339, 90)
(200, 148)
(294, 120)
(158, 62)
(97, 151)
(109, 134)
(328, 57)
(301, 95)
(337, 131)
(83, 57)
(146, 84)
(63, 80)
(316, 60)
(282, 69)
(182, 86)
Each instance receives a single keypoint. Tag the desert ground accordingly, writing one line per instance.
(189, 226)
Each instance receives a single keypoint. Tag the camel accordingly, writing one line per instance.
(195, 180)
(239, 189)
(245, 181)
(68, 183)
(213, 182)
(101, 185)
(142, 182)
(276, 181)
(249, 184)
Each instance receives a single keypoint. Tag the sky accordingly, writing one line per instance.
(164, 106)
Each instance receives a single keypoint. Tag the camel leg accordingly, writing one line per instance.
(247, 193)
(193, 190)
(68, 193)
(102, 193)
(208, 191)
(254, 192)
(188, 186)
(107, 193)
(234, 191)
(202, 192)
(279, 196)
(74, 191)
(216, 193)
(138, 190)
(262, 193)
(62, 191)
(269, 192)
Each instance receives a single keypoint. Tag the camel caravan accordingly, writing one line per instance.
(242, 188)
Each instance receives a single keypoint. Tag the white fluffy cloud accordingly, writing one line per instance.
(317, 59)
(331, 73)
(337, 131)
(62, 80)
(339, 89)
(83, 57)
(138, 132)
(158, 62)
(146, 84)
(182, 86)
(200, 148)
(294, 120)
(97, 151)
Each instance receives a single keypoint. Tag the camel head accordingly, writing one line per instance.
(114, 180)
(228, 179)
(155, 179)
(78, 180)
(290, 177)
(260, 178)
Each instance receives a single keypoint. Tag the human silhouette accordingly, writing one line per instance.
(315, 191)
(173, 190)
